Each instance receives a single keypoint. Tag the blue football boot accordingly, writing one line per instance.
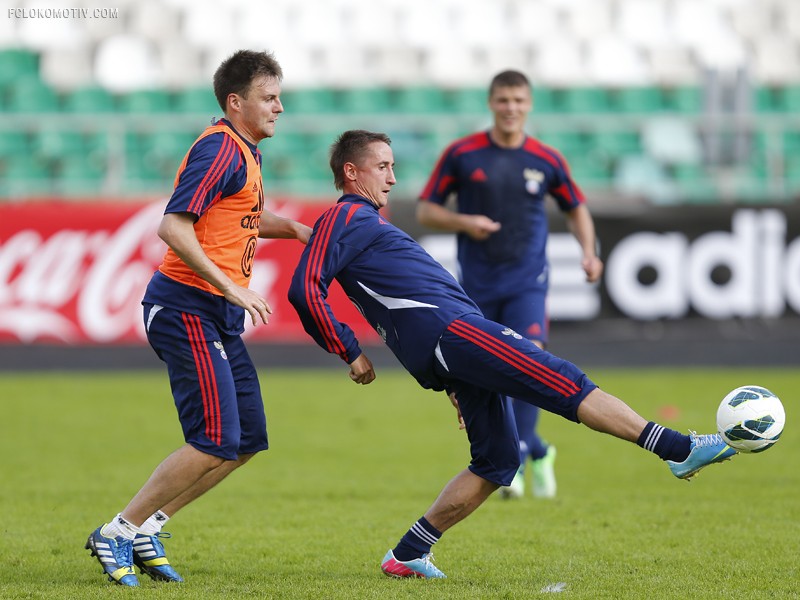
(149, 556)
(422, 568)
(115, 556)
(705, 450)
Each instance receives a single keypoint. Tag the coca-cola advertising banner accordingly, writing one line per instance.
(75, 273)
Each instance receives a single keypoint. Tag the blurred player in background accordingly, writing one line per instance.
(501, 179)
(440, 336)
(194, 311)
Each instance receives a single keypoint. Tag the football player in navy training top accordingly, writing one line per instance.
(440, 336)
(501, 179)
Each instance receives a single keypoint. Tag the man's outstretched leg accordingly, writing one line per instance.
(685, 455)
(480, 352)
(459, 498)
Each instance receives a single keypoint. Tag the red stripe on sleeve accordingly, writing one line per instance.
(313, 275)
(221, 162)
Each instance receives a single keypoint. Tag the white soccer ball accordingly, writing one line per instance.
(750, 418)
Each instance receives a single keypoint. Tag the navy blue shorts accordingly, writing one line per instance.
(214, 383)
(525, 313)
(482, 361)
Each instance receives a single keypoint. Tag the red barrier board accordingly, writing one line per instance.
(75, 273)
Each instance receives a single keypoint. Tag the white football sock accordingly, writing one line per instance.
(118, 526)
(154, 523)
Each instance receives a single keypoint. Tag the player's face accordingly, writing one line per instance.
(254, 116)
(510, 106)
(375, 174)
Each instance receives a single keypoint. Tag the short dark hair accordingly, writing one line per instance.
(238, 71)
(509, 79)
(350, 147)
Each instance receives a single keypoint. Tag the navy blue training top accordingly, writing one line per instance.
(510, 186)
(404, 294)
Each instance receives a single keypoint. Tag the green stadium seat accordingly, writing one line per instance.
(146, 101)
(309, 101)
(288, 142)
(590, 171)
(165, 146)
(684, 99)
(14, 143)
(789, 99)
(643, 177)
(57, 145)
(358, 101)
(297, 161)
(89, 100)
(468, 100)
(689, 174)
(585, 100)
(197, 100)
(418, 99)
(791, 143)
(79, 175)
(141, 174)
(640, 99)
(16, 64)
(32, 95)
(20, 177)
(569, 142)
(793, 174)
(544, 100)
(765, 100)
(615, 143)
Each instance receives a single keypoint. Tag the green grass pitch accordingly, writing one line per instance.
(352, 467)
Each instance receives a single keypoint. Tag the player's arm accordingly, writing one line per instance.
(273, 226)
(436, 216)
(431, 209)
(581, 224)
(177, 231)
(322, 259)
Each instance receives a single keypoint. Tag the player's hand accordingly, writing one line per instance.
(593, 267)
(361, 370)
(480, 227)
(454, 402)
(257, 307)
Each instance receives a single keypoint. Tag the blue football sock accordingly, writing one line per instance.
(668, 444)
(417, 541)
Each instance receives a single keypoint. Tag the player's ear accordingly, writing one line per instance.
(350, 171)
(234, 102)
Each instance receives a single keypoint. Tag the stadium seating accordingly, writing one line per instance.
(89, 100)
(618, 88)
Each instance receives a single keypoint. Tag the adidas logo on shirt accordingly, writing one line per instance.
(478, 175)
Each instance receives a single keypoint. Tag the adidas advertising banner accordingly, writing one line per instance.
(670, 263)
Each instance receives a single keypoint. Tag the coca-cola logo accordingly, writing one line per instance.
(85, 282)
(78, 283)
